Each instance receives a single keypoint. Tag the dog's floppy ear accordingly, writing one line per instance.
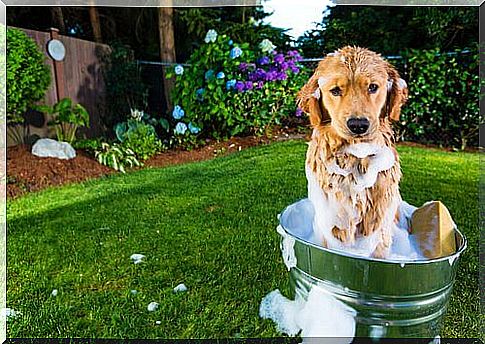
(397, 94)
(309, 99)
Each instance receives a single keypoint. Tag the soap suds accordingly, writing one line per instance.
(322, 315)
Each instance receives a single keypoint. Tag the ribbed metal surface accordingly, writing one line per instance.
(392, 299)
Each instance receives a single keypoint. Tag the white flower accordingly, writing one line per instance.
(180, 288)
(179, 69)
(266, 46)
(137, 258)
(134, 292)
(158, 322)
(137, 114)
(211, 36)
(152, 306)
(54, 292)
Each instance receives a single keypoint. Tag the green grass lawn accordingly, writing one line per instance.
(210, 225)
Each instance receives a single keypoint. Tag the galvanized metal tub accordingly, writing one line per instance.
(392, 299)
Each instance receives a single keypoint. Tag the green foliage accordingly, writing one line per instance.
(88, 145)
(207, 103)
(124, 88)
(443, 98)
(116, 156)
(27, 76)
(139, 135)
(390, 30)
(66, 118)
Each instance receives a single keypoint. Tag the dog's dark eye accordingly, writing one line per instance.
(373, 88)
(336, 92)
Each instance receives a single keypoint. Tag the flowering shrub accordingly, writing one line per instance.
(231, 88)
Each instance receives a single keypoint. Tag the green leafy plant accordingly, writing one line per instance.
(443, 103)
(88, 145)
(138, 134)
(27, 76)
(66, 118)
(116, 156)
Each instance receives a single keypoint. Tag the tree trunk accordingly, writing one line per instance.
(58, 19)
(96, 26)
(167, 48)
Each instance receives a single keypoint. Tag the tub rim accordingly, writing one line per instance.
(448, 258)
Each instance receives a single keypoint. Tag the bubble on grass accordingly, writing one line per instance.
(54, 292)
(180, 288)
(8, 313)
(137, 258)
(152, 306)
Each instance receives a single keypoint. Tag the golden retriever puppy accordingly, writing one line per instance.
(352, 166)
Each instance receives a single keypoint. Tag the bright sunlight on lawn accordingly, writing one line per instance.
(209, 225)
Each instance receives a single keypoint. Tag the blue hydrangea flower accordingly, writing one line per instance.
(209, 74)
(199, 94)
(179, 69)
(230, 84)
(235, 52)
(231, 42)
(193, 129)
(210, 36)
(178, 112)
(220, 75)
(180, 128)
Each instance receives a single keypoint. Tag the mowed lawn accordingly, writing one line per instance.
(210, 225)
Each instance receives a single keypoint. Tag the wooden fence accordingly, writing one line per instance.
(79, 76)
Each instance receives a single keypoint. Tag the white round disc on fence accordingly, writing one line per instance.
(56, 49)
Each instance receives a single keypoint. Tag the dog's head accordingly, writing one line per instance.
(352, 89)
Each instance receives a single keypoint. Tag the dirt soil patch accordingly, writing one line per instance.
(29, 173)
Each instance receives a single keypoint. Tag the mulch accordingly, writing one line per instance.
(29, 173)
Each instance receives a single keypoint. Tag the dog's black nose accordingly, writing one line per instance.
(358, 125)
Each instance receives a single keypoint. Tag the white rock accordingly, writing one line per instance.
(48, 148)
(152, 306)
(180, 288)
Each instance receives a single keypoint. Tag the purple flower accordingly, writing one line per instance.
(279, 58)
(243, 66)
(284, 66)
(295, 69)
(260, 85)
(248, 85)
(298, 112)
(263, 60)
(239, 86)
(272, 74)
(281, 76)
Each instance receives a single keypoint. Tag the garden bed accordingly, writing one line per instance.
(29, 173)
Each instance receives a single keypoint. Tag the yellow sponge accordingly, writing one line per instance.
(433, 228)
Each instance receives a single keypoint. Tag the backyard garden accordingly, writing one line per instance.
(163, 225)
